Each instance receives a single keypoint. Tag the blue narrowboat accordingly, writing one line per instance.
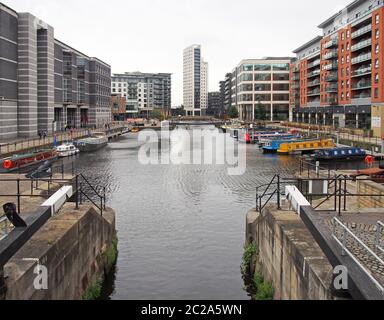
(273, 145)
(339, 154)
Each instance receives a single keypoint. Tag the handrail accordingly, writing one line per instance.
(380, 228)
(343, 243)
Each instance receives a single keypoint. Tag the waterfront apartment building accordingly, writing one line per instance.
(144, 92)
(215, 105)
(226, 92)
(261, 86)
(338, 77)
(45, 84)
(195, 82)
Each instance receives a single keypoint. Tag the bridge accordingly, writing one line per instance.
(198, 121)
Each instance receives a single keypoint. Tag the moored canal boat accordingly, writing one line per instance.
(20, 161)
(95, 142)
(339, 154)
(67, 150)
(305, 146)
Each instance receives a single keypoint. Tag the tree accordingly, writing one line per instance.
(233, 113)
(156, 114)
(260, 113)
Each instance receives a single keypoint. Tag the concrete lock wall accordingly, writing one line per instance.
(289, 256)
(72, 247)
(370, 187)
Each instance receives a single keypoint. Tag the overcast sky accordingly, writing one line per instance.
(150, 35)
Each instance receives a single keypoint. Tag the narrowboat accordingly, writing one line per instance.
(273, 145)
(20, 161)
(95, 142)
(339, 154)
(303, 147)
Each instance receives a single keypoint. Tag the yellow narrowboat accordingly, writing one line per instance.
(305, 146)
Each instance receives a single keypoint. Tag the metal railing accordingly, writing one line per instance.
(5, 227)
(378, 241)
(361, 31)
(349, 242)
(361, 58)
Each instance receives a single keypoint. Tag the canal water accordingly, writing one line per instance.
(180, 227)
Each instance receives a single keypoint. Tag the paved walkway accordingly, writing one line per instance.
(342, 135)
(17, 145)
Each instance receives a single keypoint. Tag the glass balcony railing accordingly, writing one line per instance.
(362, 31)
(330, 55)
(331, 66)
(331, 89)
(361, 45)
(361, 58)
(362, 71)
(333, 76)
(313, 93)
(313, 73)
(314, 83)
(314, 63)
(362, 85)
(330, 43)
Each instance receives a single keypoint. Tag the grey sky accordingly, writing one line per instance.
(150, 35)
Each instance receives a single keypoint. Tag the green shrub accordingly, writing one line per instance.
(249, 251)
(94, 290)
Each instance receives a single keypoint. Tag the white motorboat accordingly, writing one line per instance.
(67, 150)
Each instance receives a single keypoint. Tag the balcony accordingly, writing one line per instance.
(330, 55)
(313, 73)
(362, 72)
(361, 58)
(314, 83)
(331, 77)
(361, 45)
(331, 88)
(330, 44)
(331, 66)
(313, 93)
(314, 63)
(331, 100)
(362, 85)
(361, 31)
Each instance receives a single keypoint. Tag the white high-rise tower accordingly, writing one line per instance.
(195, 85)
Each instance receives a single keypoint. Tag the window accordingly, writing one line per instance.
(281, 87)
(262, 97)
(280, 97)
(377, 48)
(281, 67)
(281, 77)
(262, 77)
(262, 87)
(263, 67)
(376, 78)
(377, 33)
(247, 67)
(342, 36)
(377, 63)
(377, 19)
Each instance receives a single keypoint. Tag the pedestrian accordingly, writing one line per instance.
(39, 135)
(45, 134)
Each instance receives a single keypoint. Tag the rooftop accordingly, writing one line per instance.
(308, 44)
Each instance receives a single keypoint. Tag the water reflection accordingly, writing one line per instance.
(180, 227)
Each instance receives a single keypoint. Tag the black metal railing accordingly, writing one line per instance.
(337, 189)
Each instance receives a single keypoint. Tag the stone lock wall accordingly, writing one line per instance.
(370, 187)
(72, 247)
(289, 256)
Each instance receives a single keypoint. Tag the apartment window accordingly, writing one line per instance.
(348, 33)
(246, 77)
(262, 77)
(280, 97)
(280, 86)
(245, 87)
(348, 59)
(342, 84)
(377, 33)
(377, 63)
(377, 48)
(377, 19)
(262, 87)
(376, 92)
(347, 71)
(281, 67)
(247, 67)
(342, 60)
(348, 46)
(376, 78)
(281, 77)
(263, 67)
(342, 36)
(262, 97)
